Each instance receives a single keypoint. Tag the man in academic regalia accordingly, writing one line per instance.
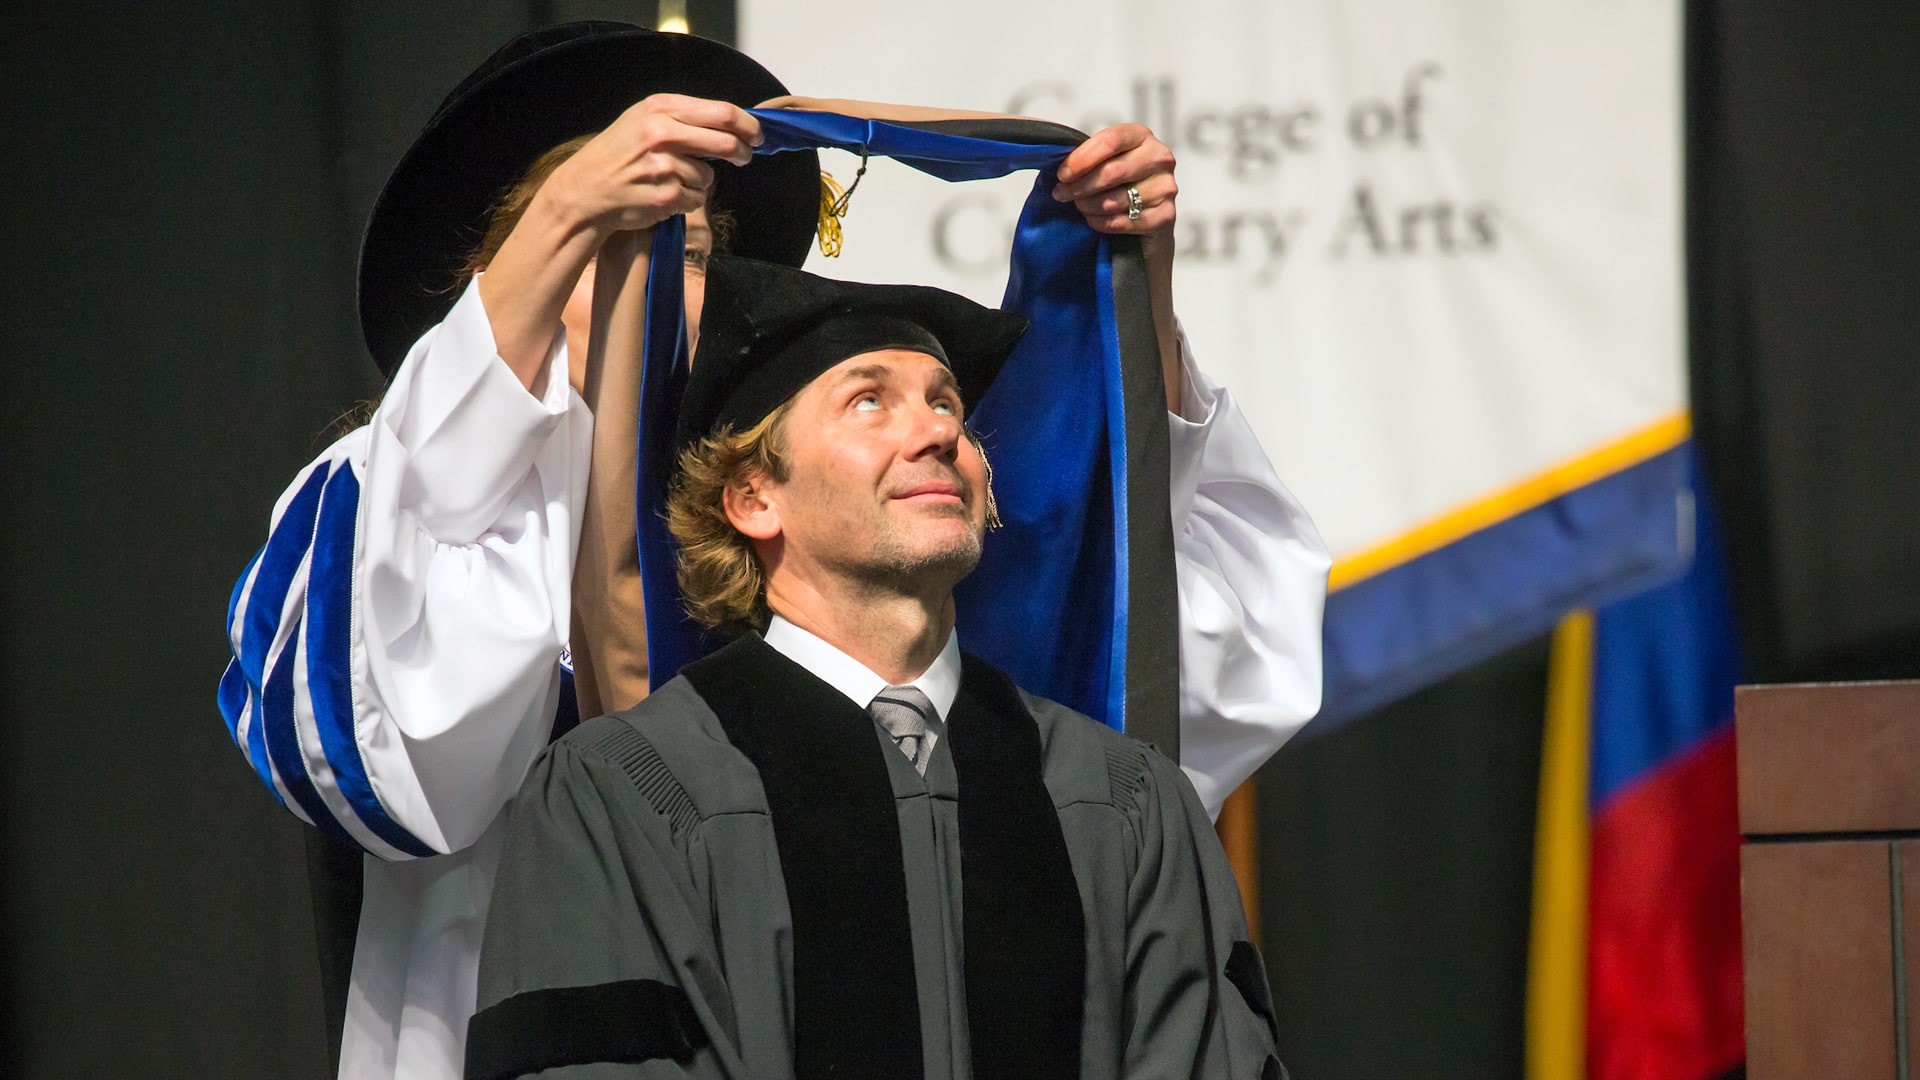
(839, 846)
(440, 583)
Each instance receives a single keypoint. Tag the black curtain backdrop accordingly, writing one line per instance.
(185, 187)
(1396, 864)
(1804, 255)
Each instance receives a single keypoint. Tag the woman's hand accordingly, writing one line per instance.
(646, 166)
(1097, 177)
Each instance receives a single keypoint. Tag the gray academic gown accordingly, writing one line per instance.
(741, 877)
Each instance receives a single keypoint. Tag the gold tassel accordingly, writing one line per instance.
(993, 505)
(831, 210)
(834, 201)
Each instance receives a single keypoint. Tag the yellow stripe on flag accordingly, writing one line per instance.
(1557, 957)
(1648, 442)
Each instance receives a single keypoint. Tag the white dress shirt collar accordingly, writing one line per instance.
(940, 682)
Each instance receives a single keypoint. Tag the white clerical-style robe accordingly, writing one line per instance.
(398, 641)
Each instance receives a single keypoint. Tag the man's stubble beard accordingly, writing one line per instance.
(892, 564)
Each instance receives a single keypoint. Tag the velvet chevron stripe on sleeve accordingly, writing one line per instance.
(287, 693)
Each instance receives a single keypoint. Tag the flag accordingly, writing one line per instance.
(1636, 934)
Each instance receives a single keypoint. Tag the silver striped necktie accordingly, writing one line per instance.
(904, 712)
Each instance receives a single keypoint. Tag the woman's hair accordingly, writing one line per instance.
(512, 204)
(721, 579)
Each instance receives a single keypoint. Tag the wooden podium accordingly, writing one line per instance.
(1830, 879)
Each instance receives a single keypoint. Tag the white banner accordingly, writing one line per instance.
(1434, 248)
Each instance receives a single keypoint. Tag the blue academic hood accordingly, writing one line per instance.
(1075, 594)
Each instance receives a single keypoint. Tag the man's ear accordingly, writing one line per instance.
(749, 509)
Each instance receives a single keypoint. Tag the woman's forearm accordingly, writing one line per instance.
(1157, 251)
(527, 284)
(609, 617)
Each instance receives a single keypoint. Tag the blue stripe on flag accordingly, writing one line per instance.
(329, 630)
(1671, 664)
(283, 742)
(1406, 627)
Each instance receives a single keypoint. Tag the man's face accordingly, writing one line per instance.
(883, 486)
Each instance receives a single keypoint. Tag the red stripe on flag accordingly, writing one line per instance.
(1664, 962)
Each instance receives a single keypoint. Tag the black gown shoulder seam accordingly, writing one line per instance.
(1127, 772)
(624, 746)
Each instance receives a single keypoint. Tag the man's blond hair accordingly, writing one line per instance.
(721, 579)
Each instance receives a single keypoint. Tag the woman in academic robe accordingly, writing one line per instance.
(400, 643)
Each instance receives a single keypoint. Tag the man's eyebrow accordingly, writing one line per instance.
(873, 372)
(882, 373)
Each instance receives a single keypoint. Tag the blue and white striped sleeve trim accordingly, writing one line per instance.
(288, 694)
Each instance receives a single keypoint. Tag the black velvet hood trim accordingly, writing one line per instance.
(856, 1006)
(1025, 932)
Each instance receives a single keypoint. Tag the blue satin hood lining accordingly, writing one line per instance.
(1049, 601)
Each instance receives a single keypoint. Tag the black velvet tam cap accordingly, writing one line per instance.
(539, 90)
(767, 331)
